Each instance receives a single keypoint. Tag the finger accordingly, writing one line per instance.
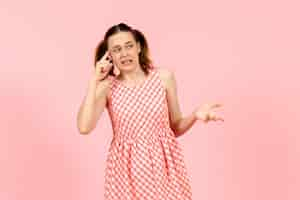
(217, 105)
(109, 66)
(105, 56)
(109, 55)
(218, 119)
(106, 68)
(213, 116)
(103, 63)
(102, 69)
(110, 58)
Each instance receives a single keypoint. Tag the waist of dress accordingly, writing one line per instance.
(120, 138)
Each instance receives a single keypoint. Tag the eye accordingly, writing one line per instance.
(116, 50)
(129, 46)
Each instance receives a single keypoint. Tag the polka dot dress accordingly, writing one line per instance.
(145, 161)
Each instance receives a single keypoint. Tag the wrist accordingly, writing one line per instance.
(194, 115)
(202, 116)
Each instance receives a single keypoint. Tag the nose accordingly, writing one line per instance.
(123, 52)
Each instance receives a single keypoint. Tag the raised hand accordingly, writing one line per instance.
(103, 66)
(206, 112)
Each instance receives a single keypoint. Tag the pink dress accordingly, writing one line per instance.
(145, 161)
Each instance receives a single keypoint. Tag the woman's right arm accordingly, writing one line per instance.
(92, 106)
(95, 100)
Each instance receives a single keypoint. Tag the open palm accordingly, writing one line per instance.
(206, 112)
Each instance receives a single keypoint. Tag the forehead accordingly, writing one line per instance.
(120, 38)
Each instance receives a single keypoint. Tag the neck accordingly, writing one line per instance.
(133, 76)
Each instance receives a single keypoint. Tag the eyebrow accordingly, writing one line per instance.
(119, 45)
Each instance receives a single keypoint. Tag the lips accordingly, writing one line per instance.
(127, 61)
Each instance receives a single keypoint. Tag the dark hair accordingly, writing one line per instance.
(139, 37)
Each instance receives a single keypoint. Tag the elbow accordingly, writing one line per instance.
(176, 133)
(174, 130)
(84, 130)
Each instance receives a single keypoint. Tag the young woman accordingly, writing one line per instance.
(144, 161)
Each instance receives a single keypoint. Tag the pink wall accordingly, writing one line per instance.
(244, 55)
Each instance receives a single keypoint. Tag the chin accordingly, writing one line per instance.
(127, 67)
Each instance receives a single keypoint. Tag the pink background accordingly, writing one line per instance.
(242, 54)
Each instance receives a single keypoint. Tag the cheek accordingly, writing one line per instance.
(134, 53)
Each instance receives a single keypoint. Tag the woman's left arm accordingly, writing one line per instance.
(178, 123)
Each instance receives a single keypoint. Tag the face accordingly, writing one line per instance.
(124, 50)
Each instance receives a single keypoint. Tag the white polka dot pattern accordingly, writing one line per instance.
(145, 161)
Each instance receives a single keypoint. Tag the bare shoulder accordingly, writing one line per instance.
(166, 75)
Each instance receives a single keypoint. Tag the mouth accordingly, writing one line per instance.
(126, 62)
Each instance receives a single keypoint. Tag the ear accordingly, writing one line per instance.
(139, 47)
